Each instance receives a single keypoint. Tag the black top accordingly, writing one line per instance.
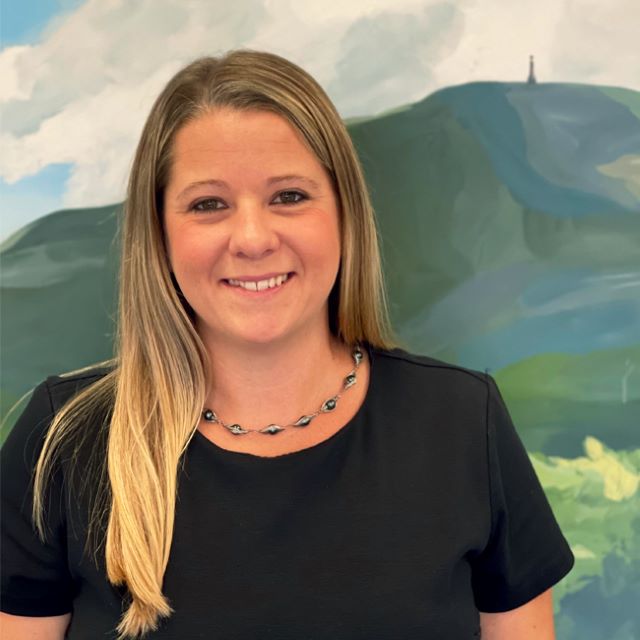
(419, 512)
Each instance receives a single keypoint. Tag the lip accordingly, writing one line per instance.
(258, 294)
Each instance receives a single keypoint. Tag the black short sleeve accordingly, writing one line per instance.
(35, 577)
(526, 553)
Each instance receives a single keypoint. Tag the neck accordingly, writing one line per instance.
(256, 384)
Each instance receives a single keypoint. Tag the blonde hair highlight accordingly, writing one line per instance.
(148, 405)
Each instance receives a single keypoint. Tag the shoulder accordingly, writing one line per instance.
(401, 365)
(64, 386)
(45, 400)
(422, 390)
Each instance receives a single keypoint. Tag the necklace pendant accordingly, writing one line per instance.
(272, 429)
(209, 415)
(350, 380)
(329, 405)
(303, 421)
(236, 429)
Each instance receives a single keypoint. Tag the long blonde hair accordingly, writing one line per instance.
(149, 403)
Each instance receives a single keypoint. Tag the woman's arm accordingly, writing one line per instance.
(531, 621)
(31, 628)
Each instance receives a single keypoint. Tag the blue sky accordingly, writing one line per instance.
(32, 197)
(22, 22)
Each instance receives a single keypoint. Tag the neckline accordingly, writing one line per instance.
(200, 438)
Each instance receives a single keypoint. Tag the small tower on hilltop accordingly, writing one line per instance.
(532, 74)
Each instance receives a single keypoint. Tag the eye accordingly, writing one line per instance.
(202, 206)
(196, 205)
(293, 193)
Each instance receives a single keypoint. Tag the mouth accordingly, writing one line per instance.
(269, 291)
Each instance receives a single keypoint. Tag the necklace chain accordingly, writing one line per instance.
(327, 406)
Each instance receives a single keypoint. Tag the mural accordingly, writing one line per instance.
(509, 216)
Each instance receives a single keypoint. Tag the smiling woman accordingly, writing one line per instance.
(251, 235)
(248, 463)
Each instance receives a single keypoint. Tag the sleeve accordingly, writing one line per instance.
(526, 553)
(35, 577)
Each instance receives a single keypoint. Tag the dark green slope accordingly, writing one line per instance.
(58, 297)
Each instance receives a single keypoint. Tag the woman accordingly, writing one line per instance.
(262, 458)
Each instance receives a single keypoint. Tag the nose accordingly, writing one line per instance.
(252, 231)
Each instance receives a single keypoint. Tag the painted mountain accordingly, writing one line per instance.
(509, 219)
(510, 224)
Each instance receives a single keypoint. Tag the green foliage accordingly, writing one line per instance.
(596, 499)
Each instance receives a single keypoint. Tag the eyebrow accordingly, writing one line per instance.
(270, 181)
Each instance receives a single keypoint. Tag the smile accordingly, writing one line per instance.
(261, 288)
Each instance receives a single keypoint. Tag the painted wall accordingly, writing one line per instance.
(509, 215)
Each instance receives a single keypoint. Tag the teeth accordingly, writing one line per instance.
(261, 285)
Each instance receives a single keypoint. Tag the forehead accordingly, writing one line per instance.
(227, 135)
(241, 150)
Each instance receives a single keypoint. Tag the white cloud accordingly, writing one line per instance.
(13, 86)
(597, 42)
(498, 39)
(583, 41)
(389, 58)
(81, 95)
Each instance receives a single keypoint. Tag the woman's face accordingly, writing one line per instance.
(247, 200)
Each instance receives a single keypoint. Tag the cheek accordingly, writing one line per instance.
(190, 253)
(332, 238)
(170, 236)
(323, 248)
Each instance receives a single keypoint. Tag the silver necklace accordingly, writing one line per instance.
(303, 421)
